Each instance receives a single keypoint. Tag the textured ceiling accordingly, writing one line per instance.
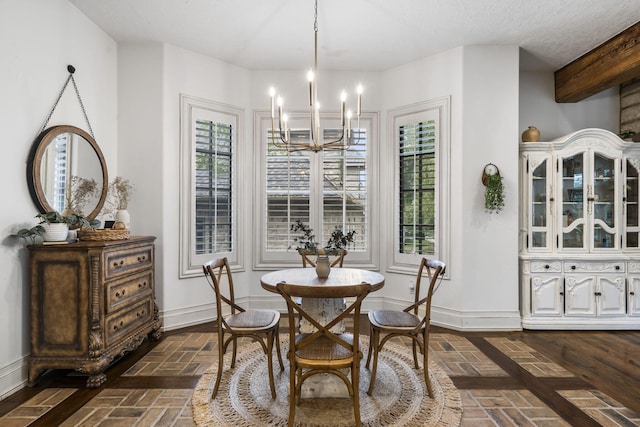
(368, 35)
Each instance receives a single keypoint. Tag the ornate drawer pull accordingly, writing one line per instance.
(140, 313)
(118, 264)
(142, 285)
(120, 295)
(142, 258)
(116, 326)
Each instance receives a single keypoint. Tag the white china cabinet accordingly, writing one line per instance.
(579, 232)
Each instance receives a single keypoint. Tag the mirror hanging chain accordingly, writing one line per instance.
(71, 70)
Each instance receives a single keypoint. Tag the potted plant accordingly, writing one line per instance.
(306, 240)
(494, 193)
(119, 195)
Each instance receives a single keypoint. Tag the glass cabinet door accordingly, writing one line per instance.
(630, 207)
(539, 208)
(573, 197)
(602, 202)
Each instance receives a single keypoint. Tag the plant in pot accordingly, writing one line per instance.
(336, 245)
(56, 226)
(119, 195)
(494, 193)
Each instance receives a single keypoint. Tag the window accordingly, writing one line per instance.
(325, 190)
(209, 137)
(420, 134)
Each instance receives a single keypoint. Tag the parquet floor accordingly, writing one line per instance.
(505, 379)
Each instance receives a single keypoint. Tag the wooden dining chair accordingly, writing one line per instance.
(238, 322)
(387, 324)
(335, 260)
(324, 351)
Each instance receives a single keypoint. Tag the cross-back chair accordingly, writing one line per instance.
(324, 351)
(387, 324)
(238, 322)
(335, 260)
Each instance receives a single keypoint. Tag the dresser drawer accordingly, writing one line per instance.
(118, 263)
(594, 267)
(121, 324)
(546, 266)
(123, 291)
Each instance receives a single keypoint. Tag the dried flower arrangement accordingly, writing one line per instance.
(118, 196)
(81, 190)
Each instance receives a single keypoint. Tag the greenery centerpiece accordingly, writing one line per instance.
(53, 219)
(307, 240)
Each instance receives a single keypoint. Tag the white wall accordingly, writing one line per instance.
(36, 50)
(538, 108)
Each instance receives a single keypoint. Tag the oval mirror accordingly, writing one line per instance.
(67, 173)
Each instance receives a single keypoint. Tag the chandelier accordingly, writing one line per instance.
(281, 136)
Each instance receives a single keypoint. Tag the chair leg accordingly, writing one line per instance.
(370, 347)
(219, 373)
(355, 382)
(415, 353)
(270, 363)
(277, 338)
(292, 392)
(375, 339)
(235, 351)
(425, 363)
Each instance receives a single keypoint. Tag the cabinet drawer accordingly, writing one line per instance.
(122, 291)
(594, 267)
(128, 261)
(546, 266)
(633, 267)
(121, 324)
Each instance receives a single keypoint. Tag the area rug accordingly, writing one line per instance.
(399, 398)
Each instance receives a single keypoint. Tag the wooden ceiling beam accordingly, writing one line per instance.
(610, 64)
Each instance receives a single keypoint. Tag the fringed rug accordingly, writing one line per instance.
(399, 398)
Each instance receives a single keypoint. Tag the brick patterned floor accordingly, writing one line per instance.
(189, 354)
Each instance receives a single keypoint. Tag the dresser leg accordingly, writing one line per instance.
(95, 381)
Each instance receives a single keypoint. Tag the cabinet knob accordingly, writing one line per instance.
(547, 266)
(632, 293)
(561, 293)
(598, 294)
(573, 267)
(617, 267)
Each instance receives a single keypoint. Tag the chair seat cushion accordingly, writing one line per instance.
(252, 319)
(393, 318)
(324, 348)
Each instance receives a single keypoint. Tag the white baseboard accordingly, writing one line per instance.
(13, 377)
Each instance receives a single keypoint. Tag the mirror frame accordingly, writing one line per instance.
(35, 159)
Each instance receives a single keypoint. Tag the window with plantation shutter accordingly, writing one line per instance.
(421, 139)
(417, 171)
(213, 167)
(325, 190)
(209, 138)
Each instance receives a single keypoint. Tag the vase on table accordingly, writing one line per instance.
(323, 268)
(122, 216)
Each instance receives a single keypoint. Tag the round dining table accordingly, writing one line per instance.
(322, 308)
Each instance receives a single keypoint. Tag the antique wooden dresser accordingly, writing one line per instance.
(90, 303)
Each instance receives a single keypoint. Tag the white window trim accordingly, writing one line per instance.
(190, 263)
(407, 263)
(264, 260)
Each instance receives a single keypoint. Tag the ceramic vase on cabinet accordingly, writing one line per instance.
(531, 135)
(122, 216)
(323, 268)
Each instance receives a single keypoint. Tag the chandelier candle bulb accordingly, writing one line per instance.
(272, 94)
(359, 100)
(343, 98)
